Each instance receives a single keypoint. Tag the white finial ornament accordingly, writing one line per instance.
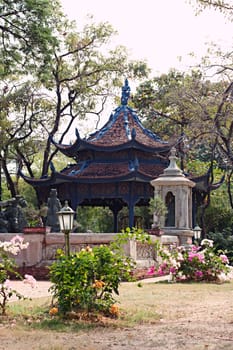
(173, 169)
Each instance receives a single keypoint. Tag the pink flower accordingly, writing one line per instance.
(30, 280)
(192, 255)
(163, 265)
(151, 271)
(172, 270)
(195, 248)
(160, 271)
(198, 274)
(224, 259)
(17, 243)
(17, 239)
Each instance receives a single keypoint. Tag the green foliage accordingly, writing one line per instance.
(218, 215)
(185, 104)
(94, 219)
(32, 216)
(197, 167)
(223, 240)
(158, 209)
(87, 280)
(27, 34)
(28, 193)
(142, 217)
(134, 233)
(5, 191)
(218, 218)
(157, 206)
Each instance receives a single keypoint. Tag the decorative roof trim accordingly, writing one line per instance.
(83, 144)
(58, 178)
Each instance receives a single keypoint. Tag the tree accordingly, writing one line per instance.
(224, 7)
(40, 107)
(23, 109)
(27, 42)
(181, 106)
(197, 112)
(219, 63)
(83, 77)
(27, 37)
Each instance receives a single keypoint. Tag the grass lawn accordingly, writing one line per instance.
(154, 316)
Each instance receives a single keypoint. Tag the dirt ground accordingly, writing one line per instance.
(175, 317)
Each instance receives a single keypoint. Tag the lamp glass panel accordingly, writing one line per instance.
(197, 234)
(66, 220)
(61, 223)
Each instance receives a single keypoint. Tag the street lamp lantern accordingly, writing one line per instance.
(66, 221)
(197, 232)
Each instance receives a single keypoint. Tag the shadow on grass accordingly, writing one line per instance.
(60, 325)
(34, 314)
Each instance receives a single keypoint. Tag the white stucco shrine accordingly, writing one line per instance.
(176, 191)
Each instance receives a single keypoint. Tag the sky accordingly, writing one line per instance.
(159, 31)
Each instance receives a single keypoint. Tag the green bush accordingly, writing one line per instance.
(86, 281)
(223, 241)
(218, 218)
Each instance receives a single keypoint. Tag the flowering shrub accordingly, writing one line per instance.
(197, 263)
(85, 281)
(9, 267)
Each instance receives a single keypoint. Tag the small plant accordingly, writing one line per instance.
(33, 217)
(8, 267)
(127, 234)
(158, 209)
(199, 263)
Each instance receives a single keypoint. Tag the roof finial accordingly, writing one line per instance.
(173, 169)
(125, 93)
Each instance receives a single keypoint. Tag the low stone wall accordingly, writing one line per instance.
(42, 250)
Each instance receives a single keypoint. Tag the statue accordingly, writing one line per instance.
(3, 223)
(54, 205)
(12, 218)
(43, 212)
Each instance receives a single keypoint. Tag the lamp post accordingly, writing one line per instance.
(197, 233)
(66, 220)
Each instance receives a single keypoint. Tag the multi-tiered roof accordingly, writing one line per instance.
(122, 150)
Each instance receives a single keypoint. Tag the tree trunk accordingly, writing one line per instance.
(10, 182)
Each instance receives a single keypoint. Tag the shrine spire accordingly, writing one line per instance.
(125, 93)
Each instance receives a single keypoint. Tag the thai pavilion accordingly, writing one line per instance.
(113, 166)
